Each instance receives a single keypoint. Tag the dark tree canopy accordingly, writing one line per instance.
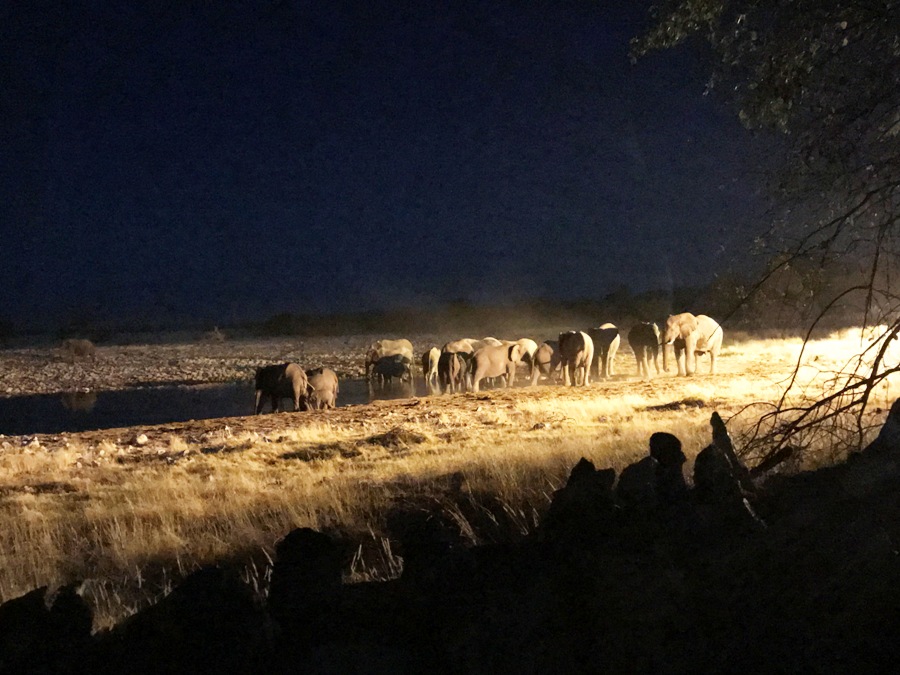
(826, 74)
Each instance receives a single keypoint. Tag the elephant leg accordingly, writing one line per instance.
(565, 369)
(712, 362)
(276, 403)
(690, 356)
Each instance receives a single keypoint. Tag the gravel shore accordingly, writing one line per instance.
(50, 370)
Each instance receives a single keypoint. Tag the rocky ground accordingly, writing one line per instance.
(50, 369)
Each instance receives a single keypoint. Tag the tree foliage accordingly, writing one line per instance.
(826, 75)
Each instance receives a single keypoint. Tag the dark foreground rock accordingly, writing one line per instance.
(645, 574)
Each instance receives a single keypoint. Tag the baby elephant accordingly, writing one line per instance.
(545, 361)
(285, 380)
(323, 388)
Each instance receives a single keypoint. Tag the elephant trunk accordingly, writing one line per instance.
(665, 352)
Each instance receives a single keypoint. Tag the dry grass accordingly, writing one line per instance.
(126, 518)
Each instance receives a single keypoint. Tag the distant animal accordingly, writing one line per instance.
(453, 371)
(495, 361)
(76, 348)
(643, 338)
(691, 336)
(322, 388)
(492, 341)
(285, 380)
(381, 348)
(576, 353)
(606, 344)
(545, 360)
(387, 368)
(430, 366)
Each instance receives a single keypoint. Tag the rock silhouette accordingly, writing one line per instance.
(647, 574)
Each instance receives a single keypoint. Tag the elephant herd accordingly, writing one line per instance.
(466, 363)
(576, 356)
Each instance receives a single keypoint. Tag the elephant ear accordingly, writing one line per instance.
(514, 353)
(688, 326)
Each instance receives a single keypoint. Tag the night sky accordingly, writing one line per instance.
(234, 160)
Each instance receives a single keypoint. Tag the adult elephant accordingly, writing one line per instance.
(430, 366)
(606, 344)
(495, 361)
(322, 388)
(285, 380)
(643, 338)
(462, 345)
(529, 347)
(691, 336)
(576, 353)
(395, 366)
(545, 360)
(453, 371)
(382, 348)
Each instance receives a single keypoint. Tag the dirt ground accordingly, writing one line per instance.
(48, 370)
(154, 362)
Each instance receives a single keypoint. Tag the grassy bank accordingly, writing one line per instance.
(127, 512)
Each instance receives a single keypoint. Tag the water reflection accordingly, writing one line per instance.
(79, 401)
(83, 410)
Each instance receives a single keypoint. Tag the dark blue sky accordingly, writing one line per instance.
(234, 160)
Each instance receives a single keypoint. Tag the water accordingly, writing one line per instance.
(85, 411)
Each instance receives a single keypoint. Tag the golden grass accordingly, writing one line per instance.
(127, 519)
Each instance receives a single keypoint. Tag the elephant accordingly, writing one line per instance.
(454, 370)
(381, 348)
(643, 338)
(495, 361)
(545, 360)
(691, 336)
(388, 367)
(576, 353)
(606, 344)
(529, 347)
(285, 380)
(322, 389)
(463, 345)
(430, 366)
